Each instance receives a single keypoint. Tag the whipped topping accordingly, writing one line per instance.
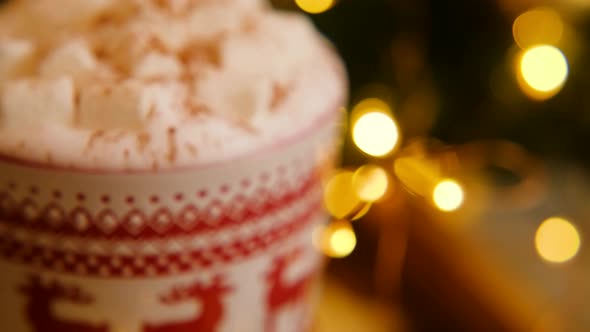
(156, 84)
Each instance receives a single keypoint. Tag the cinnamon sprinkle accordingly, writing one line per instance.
(172, 146)
(143, 139)
(208, 52)
(279, 94)
(191, 148)
(98, 134)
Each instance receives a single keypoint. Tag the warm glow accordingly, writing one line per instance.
(340, 198)
(418, 175)
(557, 240)
(370, 183)
(375, 133)
(315, 6)
(544, 69)
(369, 105)
(336, 240)
(448, 195)
(342, 242)
(538, 26)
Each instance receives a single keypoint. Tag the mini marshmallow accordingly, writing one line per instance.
(207, 22)
(272, 51)
(28, 102)
(246, 99)
(128, 105)
(66, 12)
(173, 35)
(73, 58)
(16, 57)
(157, 65)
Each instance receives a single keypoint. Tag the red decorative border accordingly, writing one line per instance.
(154, 265)
(162, 223)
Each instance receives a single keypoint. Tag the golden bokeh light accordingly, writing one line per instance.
(448, 195)
(557, 240)
(337, 240)
(418, 175)
(369, 105)
(542, 71)
(340, 198)
(315, 6)
(538, 26)
(375, 133)
(370, 183)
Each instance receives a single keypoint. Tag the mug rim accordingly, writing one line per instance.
(265, 149)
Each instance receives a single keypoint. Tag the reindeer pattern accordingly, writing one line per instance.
(41, 297)
(209, 296)
(279, 294)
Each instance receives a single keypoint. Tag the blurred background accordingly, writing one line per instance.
(463, 198)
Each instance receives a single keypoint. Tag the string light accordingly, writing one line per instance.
(315, 6)
(543, 71)
(448, 195)
(538, 26)
(370, 183)
(336, 240)
(375, 133)
(557, 240)
(341, 199)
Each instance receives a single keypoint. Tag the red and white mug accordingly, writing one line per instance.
(221, 247)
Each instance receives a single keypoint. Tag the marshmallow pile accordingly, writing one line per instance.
(106, 64)
(145, 66)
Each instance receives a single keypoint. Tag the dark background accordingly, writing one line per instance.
(461, 48)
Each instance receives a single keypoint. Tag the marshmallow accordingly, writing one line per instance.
(208, 22)
(29, 102)
(73, 58)
(246, 99)
(66, 12)
(16, 57)
(157, 65)
(272, 56)
(124, 106)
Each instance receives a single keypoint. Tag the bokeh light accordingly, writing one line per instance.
(315, 6)
(542, 71)
(369, 105)
(538, 26)
(375, 133)
(370, 183)
(448, 195)
(340, 198)
(336, 240)
(418, 175)
(557, 240)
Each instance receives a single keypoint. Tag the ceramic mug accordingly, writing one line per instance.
(217, 247)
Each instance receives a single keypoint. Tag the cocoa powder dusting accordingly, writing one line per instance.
(172, 145)
(114, 137)
(191, 149)
(94, 137)
(279, 94)
(246, 126)
(156, 44)
(76, 107)
(208, 52)
(143, 139)
(152, 112)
